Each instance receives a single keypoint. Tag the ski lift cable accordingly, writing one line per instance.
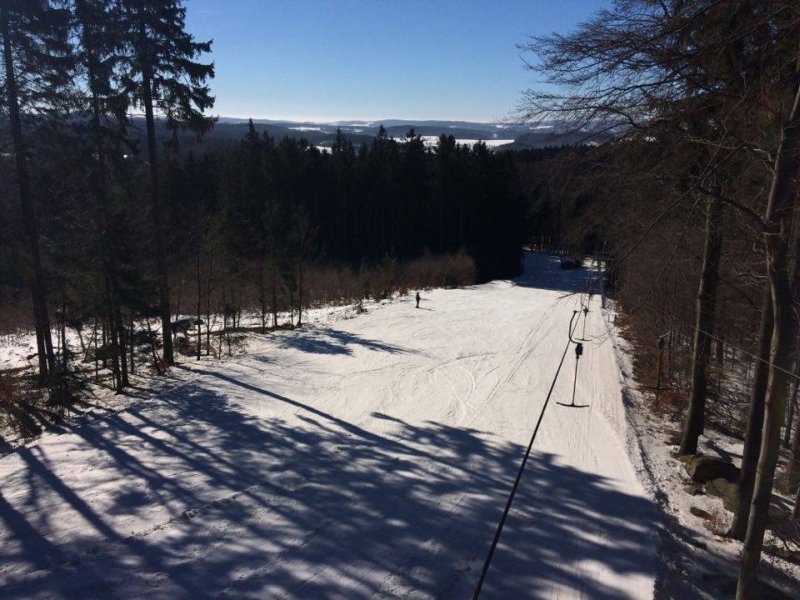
(739, 348)
(770, 363)
(499, 530)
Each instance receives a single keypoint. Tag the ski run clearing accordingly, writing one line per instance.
(366, 457)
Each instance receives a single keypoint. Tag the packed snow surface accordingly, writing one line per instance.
(366, 457)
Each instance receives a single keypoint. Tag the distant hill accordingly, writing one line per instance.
(359, 132)
(499, 136)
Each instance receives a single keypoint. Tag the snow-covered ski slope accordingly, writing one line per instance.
(368, 458)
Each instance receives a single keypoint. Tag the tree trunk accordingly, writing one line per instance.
(755, 423)
(122, 335)
(96, 365)
(44, 340)
(274, 295)
(787, 433)
(300, 295)
(113, 330)
(100, 190)
(224, 311)
(704, 329)
(64, 346)
(156, 366)
(199, 303)
(793, 468)
(132, 345)
(777, 233)
(155, 209)
(291, 304)
(796, 509)
(81, 340)
(262, 293)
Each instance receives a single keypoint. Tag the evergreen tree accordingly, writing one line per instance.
(163, 75)
(36, 61)
(342, 210)
(446, 188)
(98, 55)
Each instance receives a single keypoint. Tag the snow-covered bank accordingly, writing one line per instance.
(367, 457)
(695, 561)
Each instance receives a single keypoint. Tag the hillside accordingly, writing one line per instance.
(361, 457)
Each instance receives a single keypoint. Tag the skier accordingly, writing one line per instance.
(418, 299)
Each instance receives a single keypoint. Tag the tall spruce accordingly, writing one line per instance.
(36, 69)
(98, 54)
(164, 77)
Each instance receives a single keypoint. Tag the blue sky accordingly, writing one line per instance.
(330, 60)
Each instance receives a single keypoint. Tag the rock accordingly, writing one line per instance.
(673, 438)
(694, 489)
(699, 512)
(705, 468)
(722, 488)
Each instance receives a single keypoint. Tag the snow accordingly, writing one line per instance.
(489, 143)
(357, 457)
(696, 561)
(17, 349)
(433, 140)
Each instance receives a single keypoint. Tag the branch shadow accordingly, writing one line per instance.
(230, 505)
(543, 271)
(333, 341)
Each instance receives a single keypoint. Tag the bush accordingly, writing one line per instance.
(446, 270)
(342, 285)
(247, 287)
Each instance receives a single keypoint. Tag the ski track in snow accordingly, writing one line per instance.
(370, 458)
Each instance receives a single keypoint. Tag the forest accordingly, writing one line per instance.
(696, 203)
(128, 227)
(112, 219)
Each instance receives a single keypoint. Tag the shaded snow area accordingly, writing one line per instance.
(367, 458)
(696, 560)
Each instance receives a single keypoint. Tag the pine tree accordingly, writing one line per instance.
(36, 61)
(163, 75)
(98, 54)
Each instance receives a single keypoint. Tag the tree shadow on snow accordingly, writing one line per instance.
(543, 271)
(333, 341)
(311, 507)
